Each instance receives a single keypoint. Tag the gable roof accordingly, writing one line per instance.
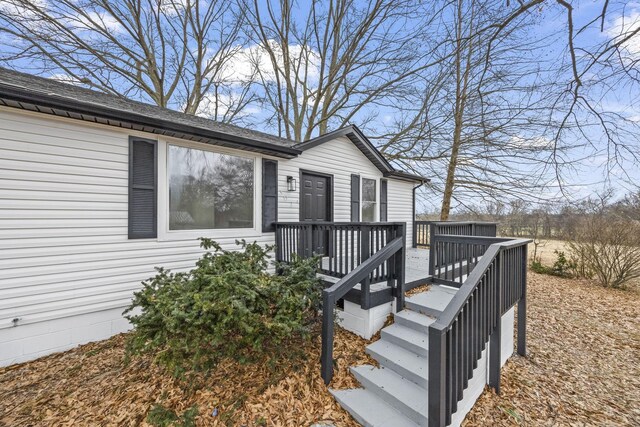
(40, 94)
(367, 148)
(49, 96)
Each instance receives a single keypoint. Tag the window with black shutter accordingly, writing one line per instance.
(143, 187)
(269, 195)
(355, 198)
(383, 200)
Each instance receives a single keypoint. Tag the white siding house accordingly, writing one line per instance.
(68, 266)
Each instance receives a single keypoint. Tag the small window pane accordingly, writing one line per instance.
(368, 200)
(209, 190)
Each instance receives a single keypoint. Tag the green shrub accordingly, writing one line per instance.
(227, 306)
(562, 267)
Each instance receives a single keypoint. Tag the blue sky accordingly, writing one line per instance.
(591, 170)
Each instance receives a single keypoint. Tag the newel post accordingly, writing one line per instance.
(326, 356)
(437, 391)
(399, 261)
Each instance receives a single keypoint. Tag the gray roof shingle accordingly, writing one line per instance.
(53, 89)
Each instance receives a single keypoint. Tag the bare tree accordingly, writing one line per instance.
(499, 121)
(330, 62)
(173, 53)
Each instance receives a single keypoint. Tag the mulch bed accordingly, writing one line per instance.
(92, 385)
(583, 369)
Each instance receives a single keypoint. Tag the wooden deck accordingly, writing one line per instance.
(416, 269)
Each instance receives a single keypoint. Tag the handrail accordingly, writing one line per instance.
(342, 223)
(331, 295)
(470, 239)
(458, 336)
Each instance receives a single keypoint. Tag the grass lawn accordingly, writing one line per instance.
(583, 369)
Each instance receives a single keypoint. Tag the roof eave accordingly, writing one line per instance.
(55, 102)
(407, 177)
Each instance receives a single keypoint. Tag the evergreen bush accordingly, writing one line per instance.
(227, 306)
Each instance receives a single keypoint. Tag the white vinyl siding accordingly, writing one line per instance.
(65, 256)
(340, 158)
(64, 248)
(400, 205)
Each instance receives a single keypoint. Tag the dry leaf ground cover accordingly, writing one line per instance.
(584, 348)
(583, 365)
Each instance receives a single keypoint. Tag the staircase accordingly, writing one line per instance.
(395, 394)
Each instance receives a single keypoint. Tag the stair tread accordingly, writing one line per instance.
(371, 410)
(403, 391)
(409, 335)
(419, 320)
(431, 302)
(413, 363)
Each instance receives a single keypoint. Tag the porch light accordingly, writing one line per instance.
(291, 184)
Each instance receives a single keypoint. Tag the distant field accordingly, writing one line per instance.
(546, 249)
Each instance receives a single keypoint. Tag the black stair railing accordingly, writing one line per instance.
(473, 317)
(395, 251)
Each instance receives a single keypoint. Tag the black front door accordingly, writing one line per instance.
(315, 204)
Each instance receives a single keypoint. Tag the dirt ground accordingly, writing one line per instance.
(582, 369)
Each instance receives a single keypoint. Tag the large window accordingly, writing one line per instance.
(368, 200)
(209, 190)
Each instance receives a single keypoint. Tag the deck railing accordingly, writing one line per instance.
(453, 258)
(343, 245)
(459, 335)
(424, 231)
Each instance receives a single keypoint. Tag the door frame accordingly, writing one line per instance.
(329, 193)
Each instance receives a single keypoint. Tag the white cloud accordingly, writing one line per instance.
(247, 63)
(99, 20)
(621, 26)
(225, 104)
(531, 142)
(18, 10)
(174, 7)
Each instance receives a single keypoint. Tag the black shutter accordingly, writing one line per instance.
(355, 198)
(269, 195)
(383, 200)
(143, 187)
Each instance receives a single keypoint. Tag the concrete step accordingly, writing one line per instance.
(405, 396)
(371, 410)
(432, 302)
(414, 320)
(400, 360)
(408, 338)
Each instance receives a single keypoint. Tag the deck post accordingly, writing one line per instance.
(522, 308)
(495, 339)
(326, 356)
(365, 253)
(432, 249)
